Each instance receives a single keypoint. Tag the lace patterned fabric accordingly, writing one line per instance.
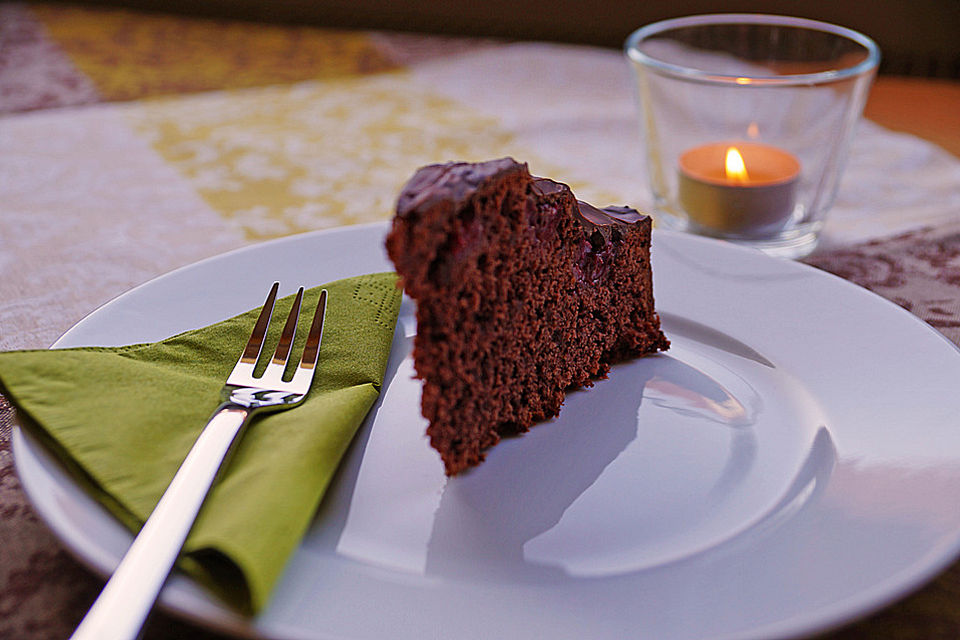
(919, 270)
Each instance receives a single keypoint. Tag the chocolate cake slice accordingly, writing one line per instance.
(522, 293)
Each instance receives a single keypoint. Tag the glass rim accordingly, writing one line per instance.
(868, 64)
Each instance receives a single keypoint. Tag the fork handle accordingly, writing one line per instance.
(122, 607)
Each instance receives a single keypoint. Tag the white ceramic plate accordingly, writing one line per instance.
(791, 463)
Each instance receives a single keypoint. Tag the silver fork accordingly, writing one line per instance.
(129, 595)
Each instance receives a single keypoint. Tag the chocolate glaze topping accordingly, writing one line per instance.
(453, 181)
(593, 219)
(457, 181)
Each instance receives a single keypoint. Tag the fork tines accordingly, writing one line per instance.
(272, 377)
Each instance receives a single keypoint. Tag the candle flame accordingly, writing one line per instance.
(736, 170)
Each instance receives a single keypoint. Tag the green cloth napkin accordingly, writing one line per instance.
(122, 419)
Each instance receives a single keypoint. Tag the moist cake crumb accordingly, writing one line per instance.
(522, 293)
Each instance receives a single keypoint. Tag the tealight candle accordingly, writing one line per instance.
(743, 188)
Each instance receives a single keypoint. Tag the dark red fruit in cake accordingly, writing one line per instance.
(522, 294)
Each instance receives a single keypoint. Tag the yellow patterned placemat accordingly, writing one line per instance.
(130, 55)
(289, 159)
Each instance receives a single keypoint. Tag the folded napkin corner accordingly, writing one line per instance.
(123, 418)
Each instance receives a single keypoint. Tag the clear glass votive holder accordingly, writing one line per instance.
(784, 94)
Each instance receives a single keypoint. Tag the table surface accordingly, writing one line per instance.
(925, 107)
(125, 153)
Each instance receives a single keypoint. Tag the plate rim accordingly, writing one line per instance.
(840, 613)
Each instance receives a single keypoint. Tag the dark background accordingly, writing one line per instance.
(917, 37)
